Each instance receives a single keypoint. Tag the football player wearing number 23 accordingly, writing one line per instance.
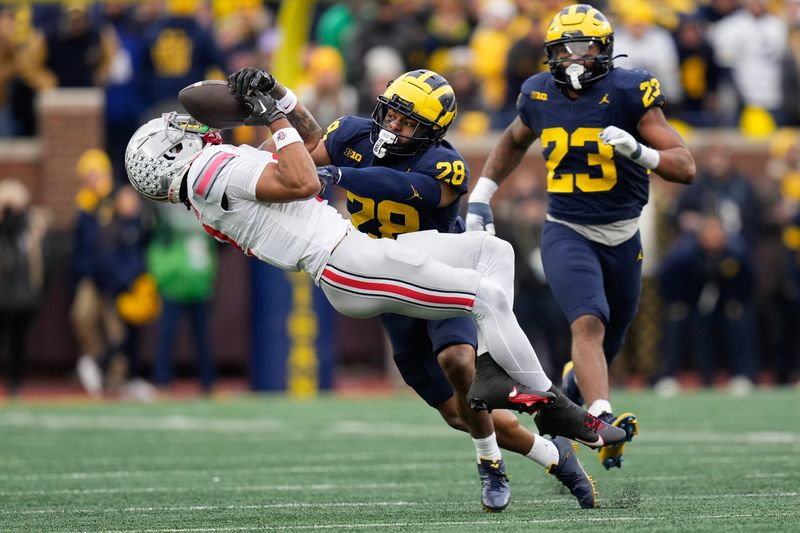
(401, 176)
(602, 131)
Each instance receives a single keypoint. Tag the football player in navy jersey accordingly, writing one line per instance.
(401, 176)
(602, 131)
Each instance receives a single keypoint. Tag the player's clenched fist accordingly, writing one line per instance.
(245, 80)
(624, 144)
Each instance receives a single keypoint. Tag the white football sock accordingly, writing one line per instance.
(487, 448)
(600, 406)
(544, 452)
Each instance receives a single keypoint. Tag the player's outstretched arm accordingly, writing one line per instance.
(295, 176)
(247, 79)
(665, 152)
(502, 160)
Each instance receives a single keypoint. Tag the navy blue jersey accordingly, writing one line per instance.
(348, 144)
(587, 182)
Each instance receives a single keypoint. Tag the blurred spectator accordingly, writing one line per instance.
(699, 74)
(791, 65)
(707, 286)
(787, 351)
(94, 321)
(132, 290)
(473, 117)
(525, 58)
(183, 261)
(326, 95)
(782, 310)
(334, 25)
(124, 101)
(490, 43)
(8, 52)
(381, 65)
(647, 46)
(239, 35)
(178, 51)
(719, 188)
(22, 266)
(76, 53)
(64, 49)
(715, 10)
(383, 26)
(448, 24)
(113, 295)
(751, 43)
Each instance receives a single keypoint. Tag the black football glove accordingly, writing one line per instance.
(263, 110)
(246, 80)
(328, 175)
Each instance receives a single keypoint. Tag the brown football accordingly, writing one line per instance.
(211, 103)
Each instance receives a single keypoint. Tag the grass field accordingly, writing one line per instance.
(704, 461)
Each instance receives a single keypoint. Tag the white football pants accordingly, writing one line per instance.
(434, 276)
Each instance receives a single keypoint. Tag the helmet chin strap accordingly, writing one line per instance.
(173, 191)
(575, 71)
(385, 137)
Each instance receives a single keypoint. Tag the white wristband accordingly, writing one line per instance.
(286, 136)
(483, 191)
(287, 103)
(649, 158)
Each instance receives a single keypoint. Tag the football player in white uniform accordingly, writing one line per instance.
(265, 204)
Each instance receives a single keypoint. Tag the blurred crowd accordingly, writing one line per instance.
(728, 268)
(731, 63)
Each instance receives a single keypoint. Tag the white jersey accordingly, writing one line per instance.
(298, 235)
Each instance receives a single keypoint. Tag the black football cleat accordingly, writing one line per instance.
(571, 474)
(612, 456)
(564, 418)
(493, 388)
(495, 492)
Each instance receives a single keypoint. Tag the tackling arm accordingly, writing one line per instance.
(503, 159)
(508, 153)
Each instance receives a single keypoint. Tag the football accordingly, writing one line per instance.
(211, 103)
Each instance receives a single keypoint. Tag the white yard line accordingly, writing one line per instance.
(329, 505)
(449, 523)
(218, 471)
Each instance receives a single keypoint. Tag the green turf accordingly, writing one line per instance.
(704, 461)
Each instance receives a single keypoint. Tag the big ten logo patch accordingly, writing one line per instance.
(352, 154)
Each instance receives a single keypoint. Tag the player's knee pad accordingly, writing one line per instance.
(497, 253)
(490, 298)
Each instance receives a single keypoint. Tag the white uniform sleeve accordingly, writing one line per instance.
(245, 171)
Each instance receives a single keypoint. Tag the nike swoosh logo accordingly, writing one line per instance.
(263, 107)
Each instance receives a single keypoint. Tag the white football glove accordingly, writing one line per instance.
(479, 214)
(480, 218)
(622, 141)
(625, 145)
